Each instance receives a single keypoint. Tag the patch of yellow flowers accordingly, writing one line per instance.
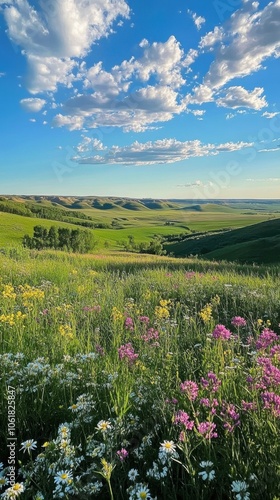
(116, 314)
(66, 331)
(162, 311)
(12, 319)
(30, 293)
(9, 292)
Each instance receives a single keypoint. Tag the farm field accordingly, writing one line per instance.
(148, 377)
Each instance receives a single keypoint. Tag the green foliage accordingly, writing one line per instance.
(72, 240)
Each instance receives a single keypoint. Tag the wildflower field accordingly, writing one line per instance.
(138, 378)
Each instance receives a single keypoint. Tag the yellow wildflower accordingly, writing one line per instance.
(9, 292)
(206, 313)
(116, 314)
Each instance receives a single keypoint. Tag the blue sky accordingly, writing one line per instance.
(155, 98)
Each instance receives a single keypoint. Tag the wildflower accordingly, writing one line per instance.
(14, 491)
(206, 313)
(168, 447)
(249, 406)
(116, 314)
(181, 417)
(129, 325)
(63, 477)
(271, 401)
(144, 319)
(266, 338)
(126, 351)
(3, 481)
(29, 445)
(122, 454)
(240, 487)
(221, 332)
(99, 349)
(232, 418)
(143, 493)
(208, 473)
(212, 383)
(238, 321)
(103, 426)
(207, 429)
(190, 388)
(9, 292)
(132, 474)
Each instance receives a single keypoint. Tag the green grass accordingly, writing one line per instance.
(256, 243)
(78, 355)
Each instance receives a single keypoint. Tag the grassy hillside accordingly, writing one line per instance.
(256, 243)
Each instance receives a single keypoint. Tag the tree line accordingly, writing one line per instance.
(59, 238)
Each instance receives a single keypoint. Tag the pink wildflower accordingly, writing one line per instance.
(129, 324)
(238, 321)
(144, 319)
(126, 351)
(122, 454)
(221, 332)
(272, 402)
(207, 429)
(266, 338)
(181, 417)
(189, 388)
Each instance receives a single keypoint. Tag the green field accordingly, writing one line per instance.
(139, 376)
(125, 218)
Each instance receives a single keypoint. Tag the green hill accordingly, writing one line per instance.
(256, 243)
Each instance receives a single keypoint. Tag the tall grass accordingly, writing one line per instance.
(123, 390)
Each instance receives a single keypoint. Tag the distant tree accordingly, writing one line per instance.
(53, 240)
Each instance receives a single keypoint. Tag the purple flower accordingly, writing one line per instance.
(99, 349)
(221, 332)
(266, 338)
(231, 417)
(126, 351)
(122, 454)
(189, 388)
(251, 406)
(144, 319)
(272, 402)
(212, 383)
(151, 334)
(207, 429)
(129, 325)
(238, 321)
(181, 417)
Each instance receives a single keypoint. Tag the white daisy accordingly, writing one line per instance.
(29, 445)
(63, 477)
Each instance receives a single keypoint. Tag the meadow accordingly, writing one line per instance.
(139, 377)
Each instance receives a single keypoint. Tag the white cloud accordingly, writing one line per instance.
(269, 115)
(53, 33)
(236, 97)
(137, 111)
(212, 37)
(198, 20)
(88, 144)
(71, 122)
(252, 38)
(163, 60)
(33, 104)
(268, 179)
(159, 152)
(268, 150)
(46, 73)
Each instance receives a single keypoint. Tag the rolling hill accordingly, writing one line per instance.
(256, 243)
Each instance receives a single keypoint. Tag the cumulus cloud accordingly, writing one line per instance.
(163, 60)
(198, 20)
(252, 38)
(71, 122)
(137, 111)
(159, 152)
(212, 37)
(236, 97)
(54, 33)
(33, 104)
(90, 144)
